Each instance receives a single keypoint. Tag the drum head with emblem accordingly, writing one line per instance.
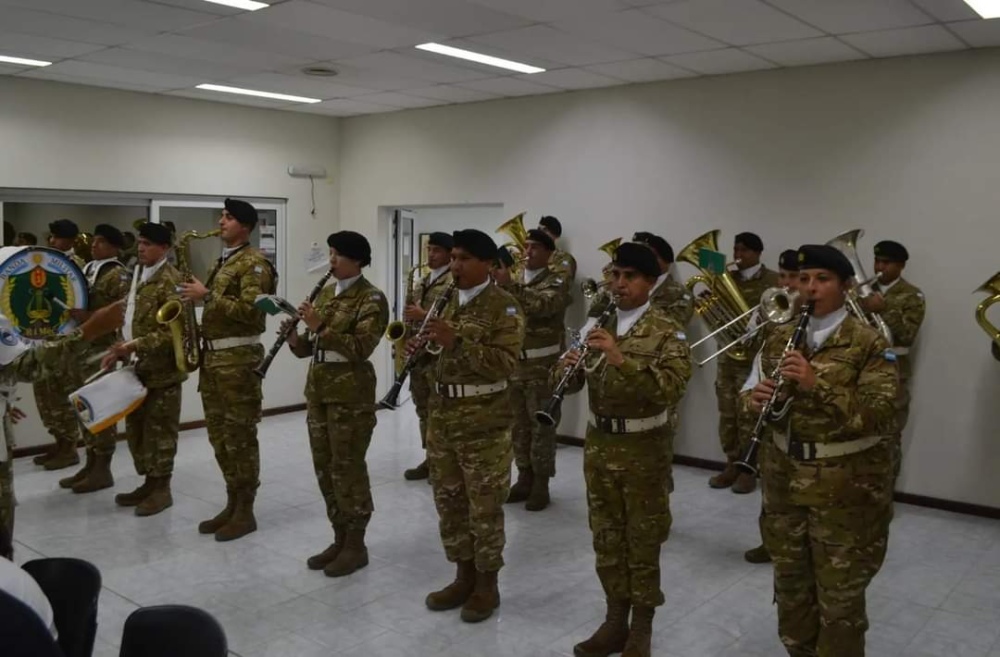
(38, 286)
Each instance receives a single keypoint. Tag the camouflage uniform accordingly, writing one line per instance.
(826, 515)
(563, 264)
(671, 297)
(340, 397)
(424, 295)
(468, 438)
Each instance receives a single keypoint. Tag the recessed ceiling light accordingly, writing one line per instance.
(985, 8)
(480, 58)
(249, 5)
(21, 61)
(261, 94)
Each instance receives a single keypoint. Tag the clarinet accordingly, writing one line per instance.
(553, 409)
(261, 370)
(748, 463)
(391, 400)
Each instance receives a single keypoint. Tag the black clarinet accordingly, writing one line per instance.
(289, 328)
(748, 463)
(391, 399)
(552, 413)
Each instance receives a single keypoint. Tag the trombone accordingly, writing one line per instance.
(777, 306)
(991, 286)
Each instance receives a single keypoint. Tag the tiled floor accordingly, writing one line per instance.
(938, 594)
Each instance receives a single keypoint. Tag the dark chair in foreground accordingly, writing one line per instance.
(72, 587)
(172, 631)
(22, 632)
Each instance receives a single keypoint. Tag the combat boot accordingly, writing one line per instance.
(726, 478)
(65, 456)
(42, 459)
(745, 483)
(422, 471)
(327, 556)
(159, 499)
(640, 633)
(353, 556)
(81, 474)
(98, 478)
(611, 636)
(757, 555)
(538, 499)
(213, 525)
(456, 593)
(242, 521)
(522, 488)
(484, 599)
(136, 496)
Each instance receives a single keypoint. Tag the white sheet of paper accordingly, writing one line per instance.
(317, 258)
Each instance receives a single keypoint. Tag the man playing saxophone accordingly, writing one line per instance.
(230, 391)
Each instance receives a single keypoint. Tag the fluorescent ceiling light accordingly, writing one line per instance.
(22, 61)
(249, 5)
(985, 8)
(480, 58)
(262, 94)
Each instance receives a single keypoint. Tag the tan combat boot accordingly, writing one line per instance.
(81, 474)
(42, 459)
(159, 499)
(422, 471)
(484, 599)
(745, 483)
(213, 525)
(757, 555)
(522, 488)
(610, 637)
(65, 456)
(354, 555)
(242, 521)
(456, 593)
(726, 478)
(98, 478)
(327, 556)
(538, 499)
(137, 495)
(640, 633)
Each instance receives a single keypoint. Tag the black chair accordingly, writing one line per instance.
(172, 631)
(22, 632)
(72, 587)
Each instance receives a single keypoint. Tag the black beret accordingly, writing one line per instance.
(441, 239)
(113, 236)
(477, 243)
(751, 241)
(659, 245)
(351, 245)
(789, 260)
(639, 257)
(64, 228)
(504, 257)
(824, 256)
(536, 235)
(156, 233)
(242, 211)
(892, 251)
(552, 224)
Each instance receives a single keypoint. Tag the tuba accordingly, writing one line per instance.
(179, 315)
(516, 247)
(723, 307)
(81, 246)
(846, 243)
(992, 286)
(589, 286)
(777, 306)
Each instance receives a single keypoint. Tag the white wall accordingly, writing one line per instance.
(58, 136)
(905, 148)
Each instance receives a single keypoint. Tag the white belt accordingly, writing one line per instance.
(900, 351)
(230, 343)
(328, 356)
(531, 354)
(628, 424)
(809, 451)
(457, 391)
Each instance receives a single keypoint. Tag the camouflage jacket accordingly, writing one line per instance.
(671, 297)
(855, 391)
(564, 265)
(156, 366)
(109, 284)
(355, 322)
(230, 311)
(753, 288)
(653, 378)
(904, 312)
(543, 302)
(424, 294)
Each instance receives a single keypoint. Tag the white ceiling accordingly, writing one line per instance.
(170, 46)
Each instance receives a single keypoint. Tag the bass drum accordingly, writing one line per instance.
(38, 288)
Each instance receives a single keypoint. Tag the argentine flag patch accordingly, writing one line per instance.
(511, 311)
(890, 355)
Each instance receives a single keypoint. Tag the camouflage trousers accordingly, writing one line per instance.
(54, 409)
(534, 443)
(7, 501)
(231, 396)
(902, 405)
(339, 436)
(729, 378)
(470, 475)
(629, 511)
(825, 524)
(152, 430)
(420, 391)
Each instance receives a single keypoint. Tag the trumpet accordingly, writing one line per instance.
(289, 328)
(777, 306)
(992, 286)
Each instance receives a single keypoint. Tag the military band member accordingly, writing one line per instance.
(639, 368)
(468, 442)
(345, 324)
(25, 239)
(561, 262)
(901, 305)
(543, 297)
(827, 470)
(752, 278)
(108, 283)
(152, 428)
(231, 393)
(422, 298)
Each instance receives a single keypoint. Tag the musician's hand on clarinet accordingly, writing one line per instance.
(795, 367)
(309, 316)
(414, 313)
(602, 340)
(570, 358)
(413, 344)
(293, 336)
(194, 290)
(760, 394)
(441, 332)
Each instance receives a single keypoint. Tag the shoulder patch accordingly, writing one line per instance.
(376, 295)
(258, 269)
(511, 311)
(686, 296)
(681, 335)
(558, 280)
(566, 262)
(889, 355)
(920, 294)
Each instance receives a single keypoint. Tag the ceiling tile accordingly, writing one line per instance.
(160, 63)
(365, 78)
(230, 99)
(548, 43)
(339, 25)
(29, 45)
(908, 41)
(72, 29)
(75, 68)
(297, 85)
(947, 10)
(978, 33)
(453, 18)
(396, 99)
(735, 22)
(413, 66)
(641, 70)
(806, 51)
(547, 11)
(276, 39)
(571, 78)
(509, 87)
(843, 16)
(148, 87)
(636, 31)
(451, 94)
(221, 53)
(344, 107)
(201, 5)
(10, 69)
(717, 62)
(128, 13)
